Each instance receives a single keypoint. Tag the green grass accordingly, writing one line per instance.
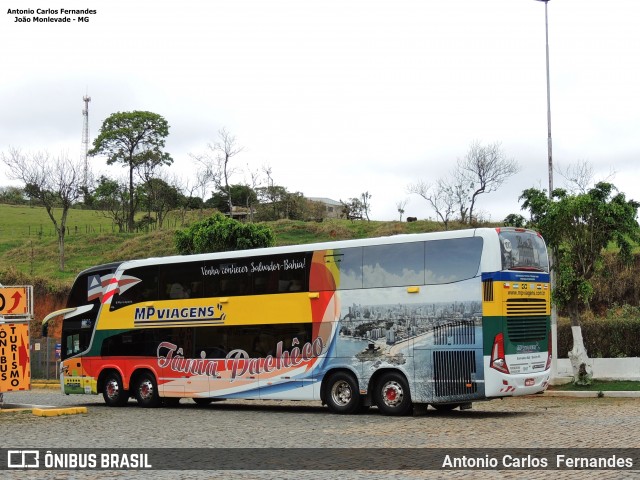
(600, 386)
(29, 243)
(33, 222)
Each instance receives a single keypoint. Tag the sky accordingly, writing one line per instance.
(338, 97)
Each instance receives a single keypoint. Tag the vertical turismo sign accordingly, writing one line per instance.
(16, 307)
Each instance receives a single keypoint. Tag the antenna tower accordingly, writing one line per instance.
(85, 138)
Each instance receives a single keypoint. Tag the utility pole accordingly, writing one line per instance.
(85, 139)
(554, 310)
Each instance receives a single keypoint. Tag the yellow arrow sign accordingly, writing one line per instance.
(13, 301)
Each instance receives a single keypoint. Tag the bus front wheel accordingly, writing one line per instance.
(342, 393)
(392, 394)
(113, 390)
(146, 391)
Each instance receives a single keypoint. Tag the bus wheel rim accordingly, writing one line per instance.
(341, 393)
(113, 389)
(392, 394)
(146, 389)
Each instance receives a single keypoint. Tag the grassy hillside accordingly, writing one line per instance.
(22, 221)
(28, 242)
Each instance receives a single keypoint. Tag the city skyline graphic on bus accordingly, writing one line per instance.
(411, 336)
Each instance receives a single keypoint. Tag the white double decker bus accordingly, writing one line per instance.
(442, 318)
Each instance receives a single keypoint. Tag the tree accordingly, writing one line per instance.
(220, 233)
(277, 203)
(160, 198)
(400, 206)
(484, 169)
(187, 200)
(514, 220)
(55, 182)
(314, 210)
(12, 195)
(579, 176)
(111, 197)
(577, 229)
(217, 163)
(441, 198)
(457, 190)
(352, 209)
(240, 195)
(136, 140)
(365, 199)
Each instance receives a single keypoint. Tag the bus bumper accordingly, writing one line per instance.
(498, 384)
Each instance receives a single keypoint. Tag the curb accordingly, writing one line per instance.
(46, 386)
(42, 410)
(592, 394)
(56, 412)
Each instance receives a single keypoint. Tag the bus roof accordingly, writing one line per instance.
(105, 266)
(309, 247)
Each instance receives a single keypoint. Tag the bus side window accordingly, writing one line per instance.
(452, 260)
(181, 280)
(393, 265)
(348, 263)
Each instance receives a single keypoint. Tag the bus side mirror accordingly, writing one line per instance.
(45, 320)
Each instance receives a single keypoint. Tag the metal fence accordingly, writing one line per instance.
(45, 357)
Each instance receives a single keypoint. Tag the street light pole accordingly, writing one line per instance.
(546, 32)
(554, 312)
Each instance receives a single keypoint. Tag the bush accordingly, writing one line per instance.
(615, 335)
(219, 233)
(615, 283)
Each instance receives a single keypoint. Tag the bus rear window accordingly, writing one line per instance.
(523, 250)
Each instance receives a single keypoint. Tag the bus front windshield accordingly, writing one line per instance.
(523, 250)
(85, 295)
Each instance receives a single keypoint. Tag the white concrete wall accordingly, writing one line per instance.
(606, 368)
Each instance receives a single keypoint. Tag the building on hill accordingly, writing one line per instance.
(332, 208)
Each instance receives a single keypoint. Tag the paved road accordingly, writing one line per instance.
(531, 422)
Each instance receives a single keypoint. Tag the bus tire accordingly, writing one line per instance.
(113, 390)
(146, 391)
(342, 393)
(392, 394)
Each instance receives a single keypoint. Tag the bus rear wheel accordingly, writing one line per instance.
(146, 391)
(113, 390)
(342, 393)
(392, 394)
